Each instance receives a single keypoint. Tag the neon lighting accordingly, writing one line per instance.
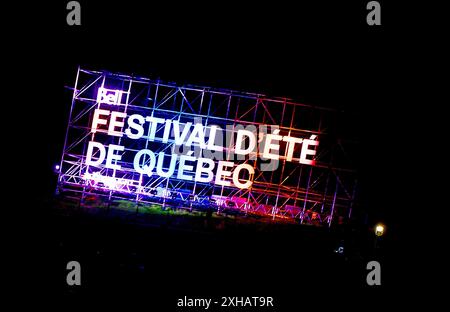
(183, 135)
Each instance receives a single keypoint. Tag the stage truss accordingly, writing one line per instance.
(319, 194)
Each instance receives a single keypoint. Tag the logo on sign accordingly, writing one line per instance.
(109, 96)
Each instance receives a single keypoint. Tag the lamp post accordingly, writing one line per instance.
(379, 231)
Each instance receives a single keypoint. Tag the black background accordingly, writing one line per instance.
(317, 52)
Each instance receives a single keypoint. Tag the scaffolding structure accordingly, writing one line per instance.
(320, 194)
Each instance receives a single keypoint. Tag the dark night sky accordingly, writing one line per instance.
(320, 53)
(316, 52)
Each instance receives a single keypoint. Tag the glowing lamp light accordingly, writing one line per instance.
(379, 229)
(57, 167)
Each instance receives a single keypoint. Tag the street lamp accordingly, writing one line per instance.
(379, 229)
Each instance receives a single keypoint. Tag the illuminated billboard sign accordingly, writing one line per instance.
(138, 138)
(240, 141)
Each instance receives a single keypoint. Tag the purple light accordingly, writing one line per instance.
(57, 167)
